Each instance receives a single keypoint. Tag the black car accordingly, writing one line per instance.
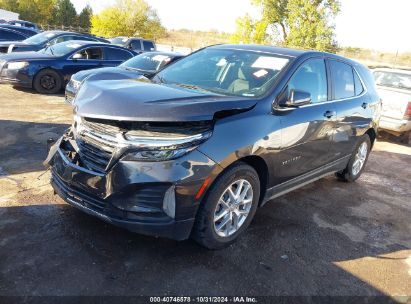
(44, 39)
(138, 45)
(23, 32)
(146, 64)
(48, 70)
(214, 136)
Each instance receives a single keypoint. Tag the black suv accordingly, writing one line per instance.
(138, 45)
(195, 150)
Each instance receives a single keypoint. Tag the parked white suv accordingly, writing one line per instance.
(394, 88)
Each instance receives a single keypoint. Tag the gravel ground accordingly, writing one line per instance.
(328, 238)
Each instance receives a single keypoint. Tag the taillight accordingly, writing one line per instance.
(408, 111)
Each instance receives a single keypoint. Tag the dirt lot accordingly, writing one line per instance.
(328, 238)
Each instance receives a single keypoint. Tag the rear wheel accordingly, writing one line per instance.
(228, 207)
(47, 82)
(357, 161)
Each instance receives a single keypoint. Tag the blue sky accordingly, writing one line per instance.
(375, 24)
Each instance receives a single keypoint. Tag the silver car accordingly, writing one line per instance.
(394, 88)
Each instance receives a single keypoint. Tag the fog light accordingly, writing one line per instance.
(169, 202)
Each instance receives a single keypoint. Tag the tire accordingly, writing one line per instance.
(47, 81)
(351, 173)
(205, 230)
(405, 138)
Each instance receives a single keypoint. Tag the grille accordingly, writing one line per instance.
(95, 149)
(93, 156)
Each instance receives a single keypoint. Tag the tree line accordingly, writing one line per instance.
(50, 12)
(304, 24)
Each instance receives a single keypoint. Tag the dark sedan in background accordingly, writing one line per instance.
(48, 70)
(41, 40)
(146, 64)
(15, 33)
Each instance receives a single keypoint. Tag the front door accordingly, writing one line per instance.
(307, 130)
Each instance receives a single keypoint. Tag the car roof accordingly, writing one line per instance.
(288, 52)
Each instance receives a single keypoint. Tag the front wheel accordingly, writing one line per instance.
(47, 81)
(228, 207)
(357, 161)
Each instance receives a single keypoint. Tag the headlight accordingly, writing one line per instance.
(17, 65)
(75, 84)
(162, 149)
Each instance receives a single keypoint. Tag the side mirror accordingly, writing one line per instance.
(297, 98)
(77, 56)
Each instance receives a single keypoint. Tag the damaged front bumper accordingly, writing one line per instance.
(138, 196)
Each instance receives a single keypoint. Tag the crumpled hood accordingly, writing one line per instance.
(139, 100)
(108, 73)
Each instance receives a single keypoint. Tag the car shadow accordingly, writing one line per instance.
(24, 145)
(301, 244)
(34, 92)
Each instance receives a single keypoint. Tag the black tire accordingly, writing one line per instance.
(204, 231)
(347, 175)
(47, 81)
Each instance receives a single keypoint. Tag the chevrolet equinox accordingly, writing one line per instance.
(194, 150)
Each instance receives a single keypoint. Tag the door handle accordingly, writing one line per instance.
(364, 105)
(330, 114)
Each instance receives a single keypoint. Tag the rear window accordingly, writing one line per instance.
(358, 85)
(116, 54)
(393, 80)
(343, 78)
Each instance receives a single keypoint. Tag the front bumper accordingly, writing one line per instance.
(15, 77)
(396, 125)
(141, 184)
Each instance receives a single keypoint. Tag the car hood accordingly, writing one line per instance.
(109, 73)
(141, 100)
(26, 56)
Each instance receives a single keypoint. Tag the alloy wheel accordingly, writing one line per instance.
(233, 208)
(360, 158)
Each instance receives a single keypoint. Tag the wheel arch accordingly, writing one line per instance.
(372, 134)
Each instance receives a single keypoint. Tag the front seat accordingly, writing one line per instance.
(240, 84)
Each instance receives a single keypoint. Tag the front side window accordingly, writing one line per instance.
(136, 45)
(93, 53)
(343, 79)
(148, 46)
(225, 71)
(311, 77)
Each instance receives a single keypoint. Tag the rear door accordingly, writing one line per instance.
(114, 56)
(354, 107)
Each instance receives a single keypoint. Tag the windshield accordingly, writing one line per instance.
(147, 62)
(393, 80)
(61, 49)
(40, 38)
(119, 40)
(224, 71)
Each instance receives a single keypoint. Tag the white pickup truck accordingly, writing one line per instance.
(394, 88)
